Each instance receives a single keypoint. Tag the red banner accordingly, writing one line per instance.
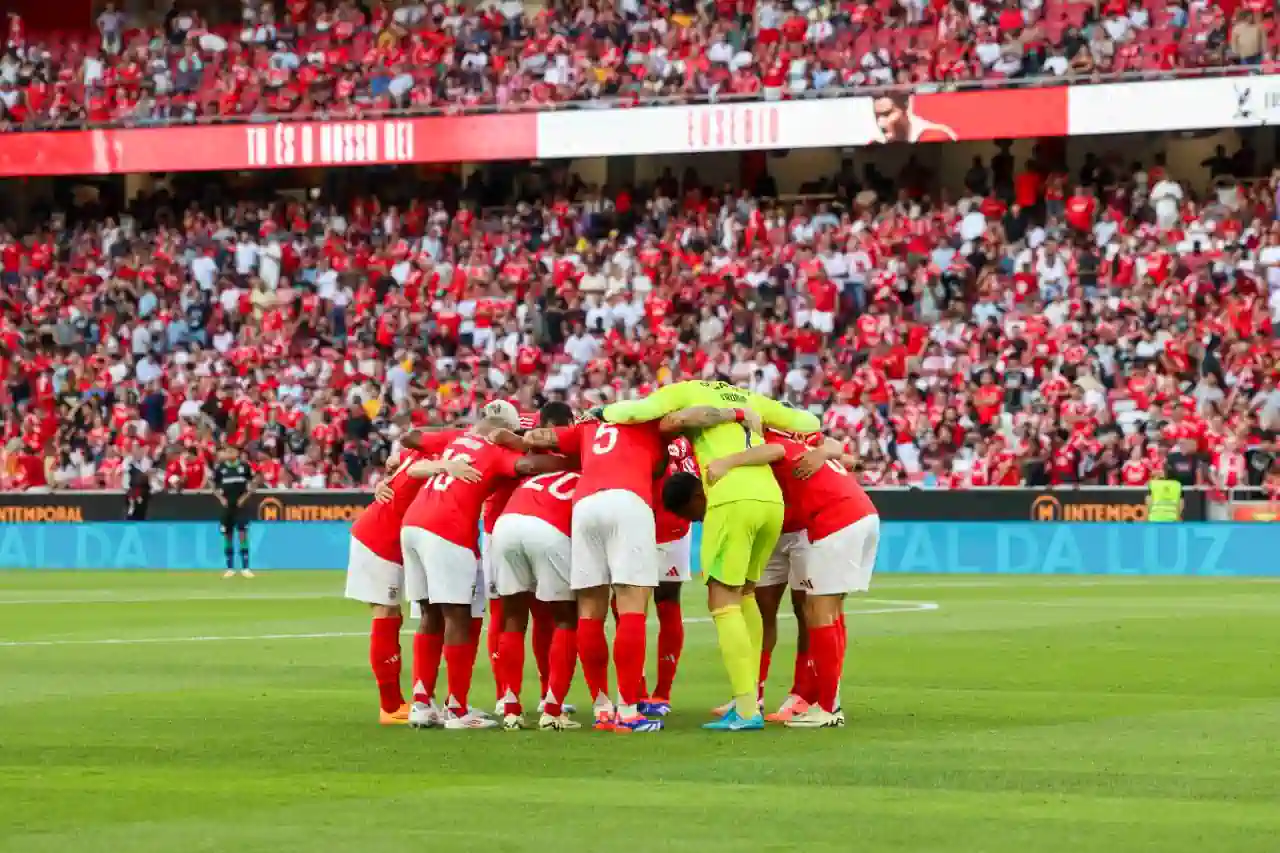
(971, 116)
(279, 145)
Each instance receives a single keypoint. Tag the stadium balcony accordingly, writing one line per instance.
(310, 61)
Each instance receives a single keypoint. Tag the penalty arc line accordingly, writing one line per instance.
(888, 606)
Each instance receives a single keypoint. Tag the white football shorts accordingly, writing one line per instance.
(614, 541)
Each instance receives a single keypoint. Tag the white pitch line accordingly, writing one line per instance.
(176, 599)
(892, 606)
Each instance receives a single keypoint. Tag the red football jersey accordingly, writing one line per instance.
(497, 501)
(828, 501)
(378, 527)
(548, 497)
(450, 508)
(615, 456)
(673, 528)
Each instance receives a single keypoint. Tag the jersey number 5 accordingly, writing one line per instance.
(606, 439)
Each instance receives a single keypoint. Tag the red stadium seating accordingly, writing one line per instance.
(947, 345)
(340, 62)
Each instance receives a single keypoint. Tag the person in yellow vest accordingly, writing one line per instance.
(1164, 499)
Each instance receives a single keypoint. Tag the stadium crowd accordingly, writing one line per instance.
(348, 59)
(1034, 327)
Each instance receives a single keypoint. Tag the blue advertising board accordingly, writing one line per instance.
(931, 547)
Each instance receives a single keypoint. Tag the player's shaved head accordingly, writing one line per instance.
(684, 496)
(555, 413)
(487, 426)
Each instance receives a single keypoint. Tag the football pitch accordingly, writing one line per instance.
(152, 712)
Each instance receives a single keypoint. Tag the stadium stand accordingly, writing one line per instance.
(334, 60)
(1030, 328)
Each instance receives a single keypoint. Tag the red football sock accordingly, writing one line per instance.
(543, 629)
(670, 645)
(494, 640)
(426, 665)
(765, 659)
(824, 646)
(384, 658)
(628, 657)
(564, 660)
(844, 639)
(461, 661)
(802, 677)
(511, 664)
(593, 649)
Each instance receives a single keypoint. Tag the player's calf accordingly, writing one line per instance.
(670, 647)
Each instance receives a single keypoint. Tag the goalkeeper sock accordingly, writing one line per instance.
(244, 553)
(739, 657)
(670, 645)
(229, 550)
(384, 659)
(543, 629)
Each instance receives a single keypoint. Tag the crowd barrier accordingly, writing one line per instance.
(1013, 547)
(894, 504)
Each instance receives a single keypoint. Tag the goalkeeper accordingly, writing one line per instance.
(743, 511)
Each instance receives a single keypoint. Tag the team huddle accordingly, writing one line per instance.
(589, 518)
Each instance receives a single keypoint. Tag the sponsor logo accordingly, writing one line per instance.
(1049, 508)
(40, 514)
(1254, 104)
(1256, 511)
(273, 509)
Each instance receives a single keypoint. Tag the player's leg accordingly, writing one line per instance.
(550, 552)
(840, 563)
(540, 639)
(493, 635)
(378, 583)
(589, 579)
(674, 570)
(633, 565)
(242, 527)
(515, 610)
(803, 684)
(764, 538)
(769, 600)
(769, 593)
(428, 639)
(510, 574)
(453, 577)
(227, 526)
(726, 551)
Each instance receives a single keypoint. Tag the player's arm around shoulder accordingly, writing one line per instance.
(659, 404)
(761, 454)
(701, 417)
(542, 463)
(777, 416)
(812, 460)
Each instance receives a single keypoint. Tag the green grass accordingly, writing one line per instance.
(1022, 715)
